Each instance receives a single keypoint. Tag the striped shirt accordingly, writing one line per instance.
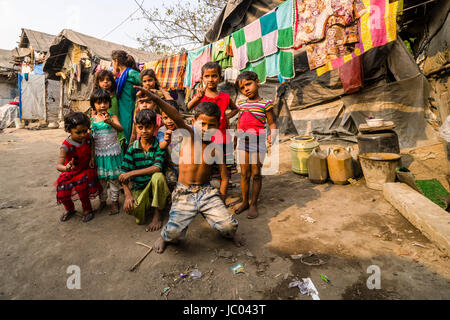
(137, 158)
(252, 115)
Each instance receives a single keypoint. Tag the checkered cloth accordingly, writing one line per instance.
(170, 72)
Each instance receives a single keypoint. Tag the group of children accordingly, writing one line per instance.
(164, 155)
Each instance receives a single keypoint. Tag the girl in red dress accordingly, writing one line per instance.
(78, 180)
(208, 92)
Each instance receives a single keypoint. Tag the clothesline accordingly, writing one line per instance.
(266, 46)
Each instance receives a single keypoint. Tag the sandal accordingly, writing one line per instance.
(88, 217)
(66, 216)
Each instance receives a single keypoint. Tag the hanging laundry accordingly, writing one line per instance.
(280, 64)
(312, 17)
(152, 65)
(170, 72)
(351, 75)
(197, 64)
(193, 55)
(222, 52)
(339, 41)
(377, 27)
(264, 36)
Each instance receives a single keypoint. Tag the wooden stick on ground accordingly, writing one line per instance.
(142, 259)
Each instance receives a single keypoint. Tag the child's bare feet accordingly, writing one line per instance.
(253, 212)
(238, 240)
(115, 208)
(156, 223)
(160, 245)
(244, 206)
(102, 206)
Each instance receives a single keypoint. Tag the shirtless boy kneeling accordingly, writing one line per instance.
(194, 193)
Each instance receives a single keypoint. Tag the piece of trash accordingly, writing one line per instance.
(301, 286)
(296, 256)
(419, 245)
(324, 278)
(196, 274)
(312, 291)
(239, 268)
(225, 254)
(166, 289)
(308, 219)
(353, 182)
(182, 275)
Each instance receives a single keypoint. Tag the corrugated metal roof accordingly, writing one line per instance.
(39, 41)
(98, 48)
(6, 59)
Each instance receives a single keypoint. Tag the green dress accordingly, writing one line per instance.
(108, 153)
(115, 110)
(127, 103)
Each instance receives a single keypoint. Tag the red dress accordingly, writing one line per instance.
(82, 183)
(223, 101)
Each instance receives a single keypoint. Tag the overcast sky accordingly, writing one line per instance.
(92, 17)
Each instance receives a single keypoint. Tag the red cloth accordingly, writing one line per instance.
(82, 183)
(223, 101)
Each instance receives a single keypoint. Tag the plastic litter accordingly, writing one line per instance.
(296, 256)
(239, 268)
(324, 278)
(306, 286)
(312, 291)
(195, 274)
(301, 286)
(182, 275)
(308, 219)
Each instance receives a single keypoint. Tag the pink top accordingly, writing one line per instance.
(252, 115)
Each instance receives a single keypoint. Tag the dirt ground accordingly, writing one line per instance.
(354, 228)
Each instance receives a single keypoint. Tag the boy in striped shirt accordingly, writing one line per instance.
(141, 173)
(253, 114)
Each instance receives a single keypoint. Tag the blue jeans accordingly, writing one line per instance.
(187, 202)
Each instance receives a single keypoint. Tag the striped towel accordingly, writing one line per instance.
(170, 72)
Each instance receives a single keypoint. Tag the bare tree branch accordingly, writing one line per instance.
(180, 27)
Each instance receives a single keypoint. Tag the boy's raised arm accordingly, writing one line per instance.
(167, 108)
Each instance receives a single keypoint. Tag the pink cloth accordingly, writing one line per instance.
(240, 56)
(269, 42)
(198, 63)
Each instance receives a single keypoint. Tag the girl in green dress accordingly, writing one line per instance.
(125, 65)
(104, 79)
(106, 150)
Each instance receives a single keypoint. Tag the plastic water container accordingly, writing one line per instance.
(317, 166)
(301, 147)
(340, 166)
